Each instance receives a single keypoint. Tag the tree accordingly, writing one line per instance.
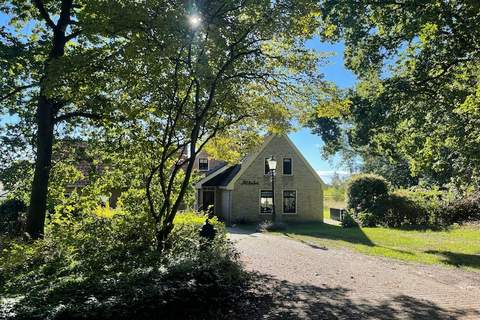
(416, 104)
(54, 58)
(203, 70)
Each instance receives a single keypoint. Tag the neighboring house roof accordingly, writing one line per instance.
(226, 176)
(215, 169)
(223, 178)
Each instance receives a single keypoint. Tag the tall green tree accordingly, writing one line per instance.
(416, 103)
(204, 68)
(56, 57)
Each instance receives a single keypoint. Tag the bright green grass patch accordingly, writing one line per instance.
(458, 246)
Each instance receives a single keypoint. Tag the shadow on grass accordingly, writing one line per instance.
(269, 298)
(331, 232)
(458, 259)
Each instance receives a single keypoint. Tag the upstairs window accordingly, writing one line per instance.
(290, 201)
(287, 166)
(203, 164)
(267, 169)
(266, 202)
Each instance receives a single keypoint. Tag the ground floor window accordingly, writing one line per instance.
(266, 202)
(289, 201)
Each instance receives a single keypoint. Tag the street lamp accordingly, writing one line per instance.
(272, 166)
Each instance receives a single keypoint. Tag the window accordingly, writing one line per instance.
(289, 201)
(287, 166)
(266, 202)
(203, 164)
(267, 169)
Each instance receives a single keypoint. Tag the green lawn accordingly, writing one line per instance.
(459, 246)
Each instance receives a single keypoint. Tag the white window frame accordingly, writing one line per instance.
(291, 166)
(260, 202)
(296, 202)
(208, 164)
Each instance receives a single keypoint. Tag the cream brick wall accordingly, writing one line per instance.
(246, 197)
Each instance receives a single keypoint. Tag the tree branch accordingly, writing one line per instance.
(73, 35)
(67, 116)
(15, 91)
(44, 13)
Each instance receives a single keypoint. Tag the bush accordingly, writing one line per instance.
(410, 207)
(106, 267)
(397, 210)
(367, 219)
(461, 210)
(363, 190)
(11, 216)
(348, 221)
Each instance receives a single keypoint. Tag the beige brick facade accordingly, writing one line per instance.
(239, 200)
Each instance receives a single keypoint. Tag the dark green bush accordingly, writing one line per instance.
(367, 219)
(410, 207)
(106, 267)
(10, 216)
(348, 221)
(363, 190)
(397, 210)
(461, 210)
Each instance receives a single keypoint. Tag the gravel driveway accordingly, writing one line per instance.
(298, 280)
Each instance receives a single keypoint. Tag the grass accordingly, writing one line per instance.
(458, 246)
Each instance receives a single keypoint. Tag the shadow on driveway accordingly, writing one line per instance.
(269, 298)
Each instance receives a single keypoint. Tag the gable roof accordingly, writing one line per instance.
(250, 159)
(222, 179)
(211, 174)
(226, 176)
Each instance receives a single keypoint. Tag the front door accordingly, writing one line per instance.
(209, 201)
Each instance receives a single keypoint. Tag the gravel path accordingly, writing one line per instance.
(298, 280)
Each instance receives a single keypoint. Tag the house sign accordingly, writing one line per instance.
(250, 182)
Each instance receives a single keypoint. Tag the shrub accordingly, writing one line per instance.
(363, 190)
(10, 216)
(397, 210)
(348, 221)
(429, 203)
(461, 210)
(367, 219)
(106, 267)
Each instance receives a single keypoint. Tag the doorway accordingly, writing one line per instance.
(209, 201)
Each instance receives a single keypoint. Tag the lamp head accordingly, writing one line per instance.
(272, 163)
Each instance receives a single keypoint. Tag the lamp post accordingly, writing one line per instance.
(272, 166)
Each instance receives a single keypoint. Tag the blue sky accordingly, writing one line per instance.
(309, 144)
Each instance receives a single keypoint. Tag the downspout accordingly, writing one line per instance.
(229, 207)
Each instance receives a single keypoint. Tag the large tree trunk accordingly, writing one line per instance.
(46, 112)
(38, 197)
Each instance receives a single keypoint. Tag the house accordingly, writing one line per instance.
(243, 192)
(205, 164)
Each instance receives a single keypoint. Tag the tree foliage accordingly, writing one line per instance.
(57, 60)
(199, 73)
(416, 103)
